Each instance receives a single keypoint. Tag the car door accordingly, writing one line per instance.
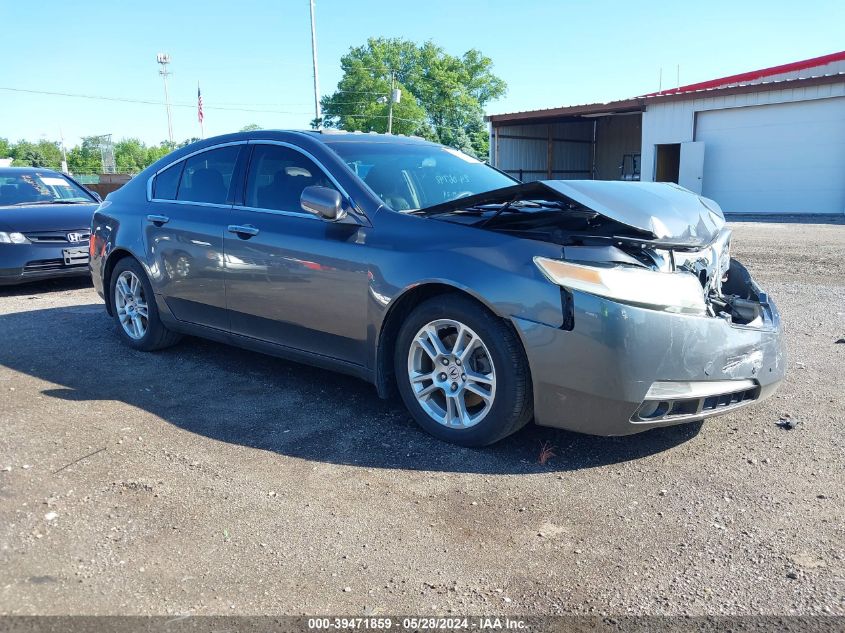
(292, 278)
(185, 222)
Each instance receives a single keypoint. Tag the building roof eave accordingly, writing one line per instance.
(589, 109)
(639, 104)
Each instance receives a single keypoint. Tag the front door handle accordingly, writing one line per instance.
(243, 231)
(158, 220)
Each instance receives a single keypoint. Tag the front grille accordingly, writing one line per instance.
(42, 265)
(658, 410)
(728, 399)
(57, 237)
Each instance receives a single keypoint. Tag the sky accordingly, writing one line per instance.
(252, 58)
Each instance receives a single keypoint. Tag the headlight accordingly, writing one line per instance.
(673, 292)
(13, 238)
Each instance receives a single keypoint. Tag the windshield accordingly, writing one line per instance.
(39, 188)
(410, 176)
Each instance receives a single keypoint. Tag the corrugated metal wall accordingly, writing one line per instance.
(674, 121)
(616, 137)
(524, 151)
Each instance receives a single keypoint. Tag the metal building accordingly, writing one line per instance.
(767, 141)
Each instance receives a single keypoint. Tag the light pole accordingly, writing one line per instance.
(394, 97)
(164, 60)
(317, 113)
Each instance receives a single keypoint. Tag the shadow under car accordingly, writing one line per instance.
(232, 395)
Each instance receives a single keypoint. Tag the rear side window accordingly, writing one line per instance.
(277, 176)
(207, 177)
(167, 182)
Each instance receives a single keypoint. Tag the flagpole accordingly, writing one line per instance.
(200, 112)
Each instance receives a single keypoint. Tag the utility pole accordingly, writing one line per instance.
(317, 114)
(390, 107)
(164, 60)
(64, 153)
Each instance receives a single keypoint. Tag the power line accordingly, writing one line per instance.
(145, 101)
(223, 106)
(226, 108)
(362, 92)
(395, 118)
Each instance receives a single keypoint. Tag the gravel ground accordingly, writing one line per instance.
(209, 480)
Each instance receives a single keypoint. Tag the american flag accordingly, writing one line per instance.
(199, 105)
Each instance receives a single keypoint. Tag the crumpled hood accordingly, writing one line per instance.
(46, 217)
(665, 211)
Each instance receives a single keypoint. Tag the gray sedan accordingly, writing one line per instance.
(601, 307)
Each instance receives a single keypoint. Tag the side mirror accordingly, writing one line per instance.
(323, 202)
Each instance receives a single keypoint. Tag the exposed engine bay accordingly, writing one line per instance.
(698, 242)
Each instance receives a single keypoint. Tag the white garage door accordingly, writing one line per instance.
(783, 158)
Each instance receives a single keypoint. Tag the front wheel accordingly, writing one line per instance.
(462, 372)
(135, 310)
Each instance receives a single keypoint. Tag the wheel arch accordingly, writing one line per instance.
(398, 311)
(114, 257)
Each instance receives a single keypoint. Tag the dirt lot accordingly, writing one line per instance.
(222, 481)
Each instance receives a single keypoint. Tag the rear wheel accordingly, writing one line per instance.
(462, 372)
(135, 312)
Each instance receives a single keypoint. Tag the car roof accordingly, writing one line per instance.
(330, 135)
(10, 171)
(325, 138)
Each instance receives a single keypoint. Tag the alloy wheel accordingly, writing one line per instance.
(451, 373)
(131, 305)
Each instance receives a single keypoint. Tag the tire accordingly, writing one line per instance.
(152, 334)
(490, 411)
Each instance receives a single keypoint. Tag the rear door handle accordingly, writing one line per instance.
(244, 231)
(158, 220)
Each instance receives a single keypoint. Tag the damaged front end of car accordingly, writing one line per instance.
(650, 244)
(675, 327)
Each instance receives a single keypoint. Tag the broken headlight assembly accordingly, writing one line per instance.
(678, 292)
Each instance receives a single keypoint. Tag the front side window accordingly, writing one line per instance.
(28, 188)
(409, 176)
(277, 175)
(207, 177)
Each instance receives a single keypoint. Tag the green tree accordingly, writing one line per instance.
(130, 156)
(5, 148)
(85, 158)
(155, 152)
(443, 96)
(252, 127)
(42, 154)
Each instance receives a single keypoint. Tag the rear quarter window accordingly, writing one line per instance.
(207, 177)
(166, 184)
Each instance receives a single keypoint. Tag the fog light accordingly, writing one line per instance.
(653, 409)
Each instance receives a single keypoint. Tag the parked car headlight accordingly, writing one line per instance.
(13, 238)
(679, 292)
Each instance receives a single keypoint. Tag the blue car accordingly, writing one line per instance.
(45, 222)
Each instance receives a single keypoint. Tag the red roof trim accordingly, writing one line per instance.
(754, 74)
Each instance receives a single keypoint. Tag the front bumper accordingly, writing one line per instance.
(624, 369)
(20, 263)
